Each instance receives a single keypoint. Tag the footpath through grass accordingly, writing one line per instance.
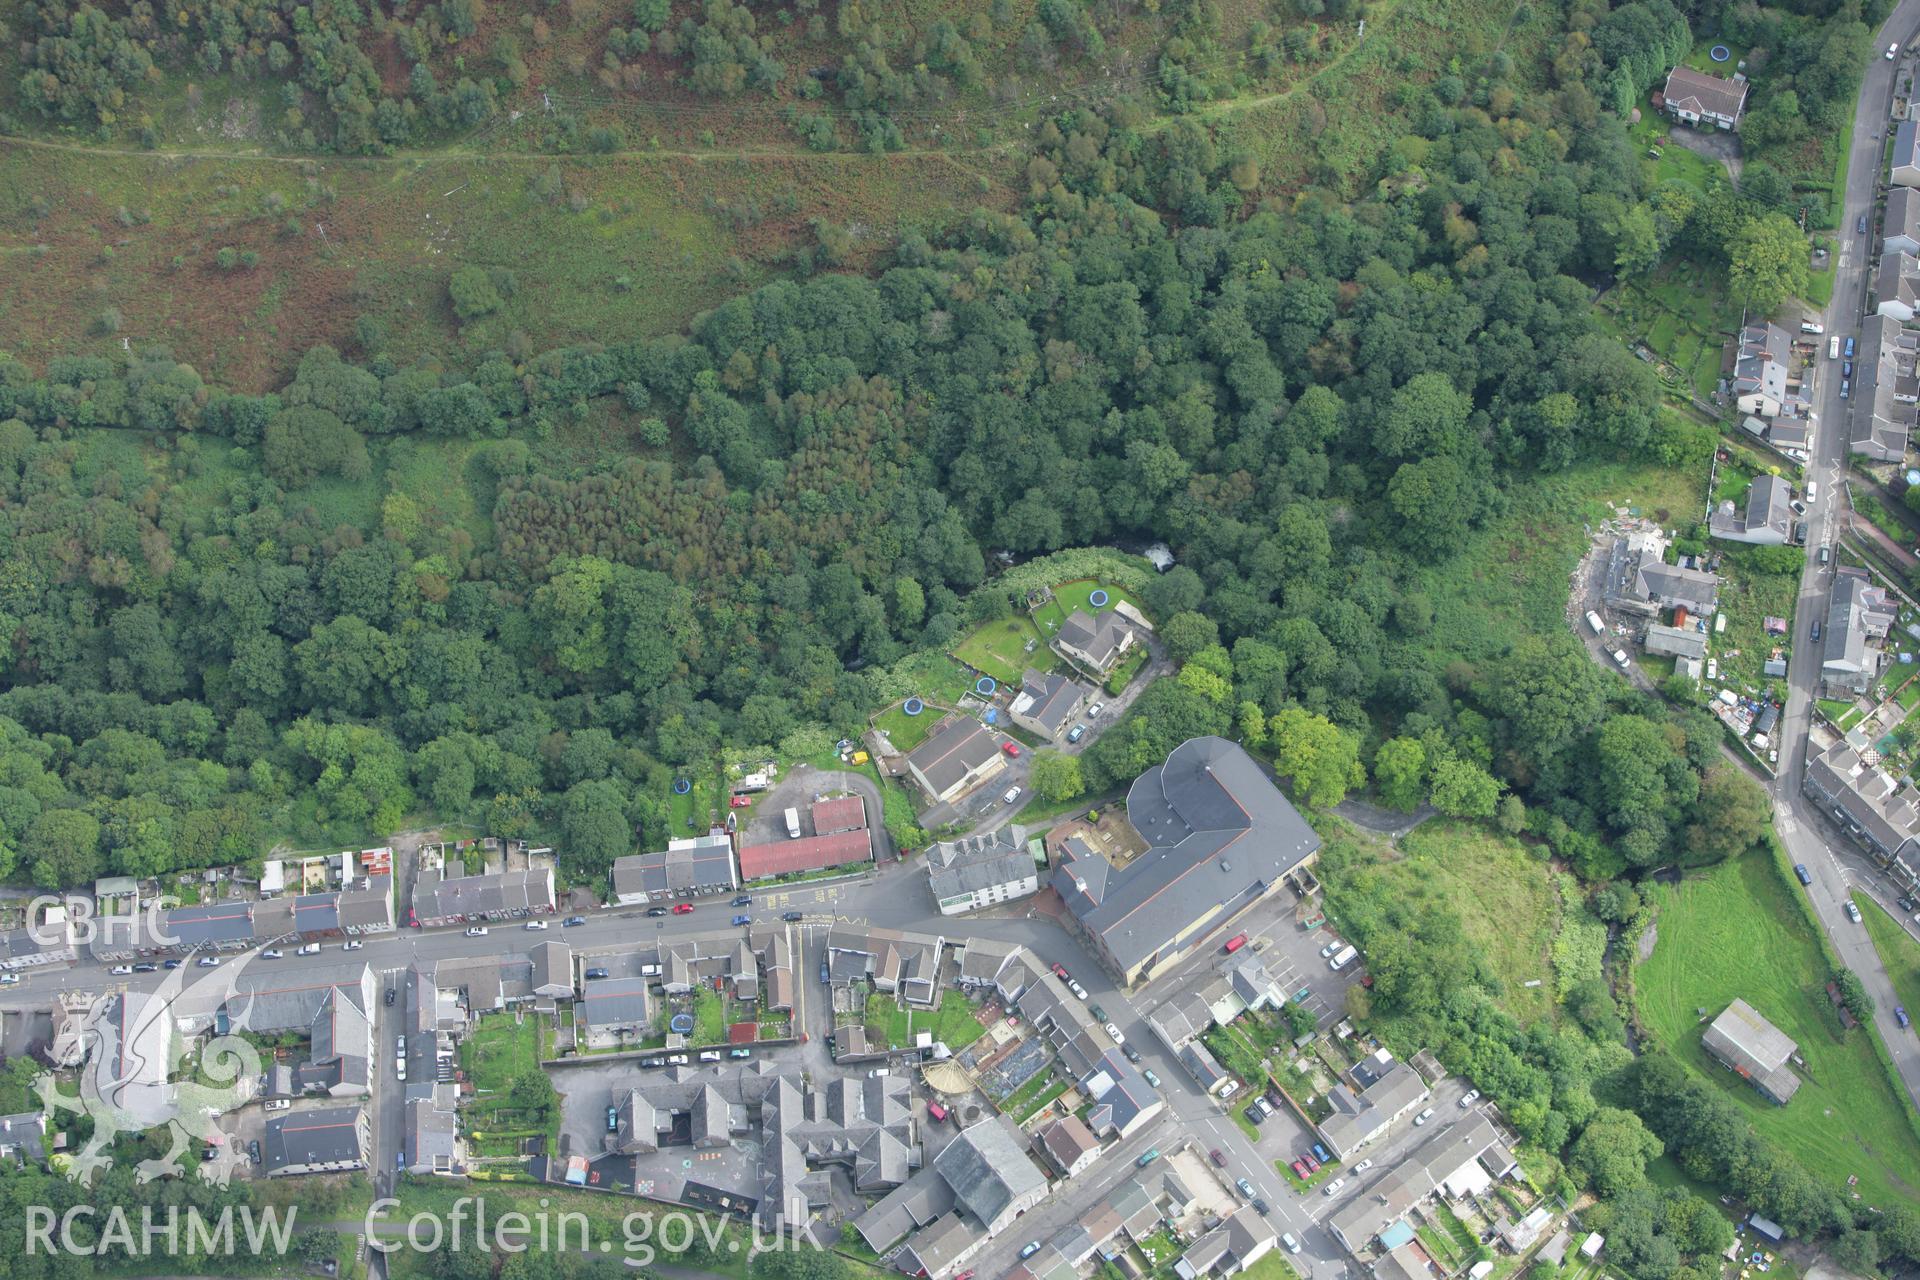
(1736, 931)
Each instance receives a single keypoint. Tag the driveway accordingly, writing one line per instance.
(1716, 145)
(800, 788)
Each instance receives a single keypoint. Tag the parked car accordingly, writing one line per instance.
(1801, 873)
(1060, 971)
(676, 1059)
(1293, 1245)
(793, 916)
(355, 946)
(1849, 353)
(1333, 1188)
(1076, 733)
(1893, 51)
(1013, 794)
(146, 968)
(1152, 1154)
(531, 924)
(1115, 1032)
(208, 962)
(709, 1055)
(1099, 1014)
(739, 802)
(1151, 1078)
(1028, 1249)
(1846, 388)
(170, 964)
(1860, 224)
(478, 931)
(253, 1151)
(1846, 368)
(1908, 902)
(743, 919)
(613, 1119)
(596, 973)
(390, 996)
(1252, 1113)
(935, 1111)
(1261, 1207)
(649, 1064)
(1236, 942)
(1079, 991)
(1470, 1097)
(1300, 1170)
(1363, 1166)
(1246, 1188)
(683, 908)
(1814, 634)
(1900, 1015)
(1266, 1107)
(571, 921)
(121, 970)
(1011, 748)
(656, 911)
(740, 1053)
(1424, 1116)
(313, 948)
(1320, 1153)
(1218, 1157)
(744, 900)
(1096, 709)
(400, 1046)
(1133, 1054)
(1853, 911)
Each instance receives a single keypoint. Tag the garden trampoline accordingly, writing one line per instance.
(1098, 598)
(1719, 53)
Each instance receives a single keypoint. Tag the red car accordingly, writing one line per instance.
(1059, 971)
(739, 802)
(1236, 942)
(937, 1111)
(1011, 748)
(1218, 1157)
(1300, 1170)
(1313, 1166)
(683, 908)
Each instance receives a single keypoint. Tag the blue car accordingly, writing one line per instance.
(743, 919)
(1320, 1153)
(1849, 349)
(1860, 224)
(1802, 874)
(1846, 368)
(1846, 388)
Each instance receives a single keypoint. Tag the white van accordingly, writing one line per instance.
(311, 949)
(1812, 326)
(1593, 620)
(1833, 347)
(1341, 958)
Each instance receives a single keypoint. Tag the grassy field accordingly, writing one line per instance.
(954, 1023)
(999, 649)
(1748, 598)
(1513, 573)
(499, 1049)
(1899, 953)
(1735, 931)
(904, 731)
(1502, 894)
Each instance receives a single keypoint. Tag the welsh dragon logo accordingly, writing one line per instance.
(136, 1078)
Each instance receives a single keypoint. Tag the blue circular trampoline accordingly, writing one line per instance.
(681, 786)
(1719, 53)
(985, 685)
(913, 706)
(1098, 598)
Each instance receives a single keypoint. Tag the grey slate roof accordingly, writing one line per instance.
(615, 1002)
(552, 968)
(432, 1133)
(1898, 279)
(1704, 94)
(435, 897)
(1358, 1118)
(1768, 512)
(1097, 636)
(1887, 811)
(1679, 642)
(1903, 213)
(1886, 387)
(976, 862)
(951, 753)
(1858, 613)
(988, 1168)
(1761, 365)
(698, 864)
(1906, 145)
(1049, 700)
(1387, 1198)
(322, 1136)
(1219, 834)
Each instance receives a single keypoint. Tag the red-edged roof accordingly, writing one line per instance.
(848, 813)
(743, 1033)
(811, 853)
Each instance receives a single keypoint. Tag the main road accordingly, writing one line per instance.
(1801, 824)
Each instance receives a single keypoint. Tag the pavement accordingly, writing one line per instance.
(1810, 840)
